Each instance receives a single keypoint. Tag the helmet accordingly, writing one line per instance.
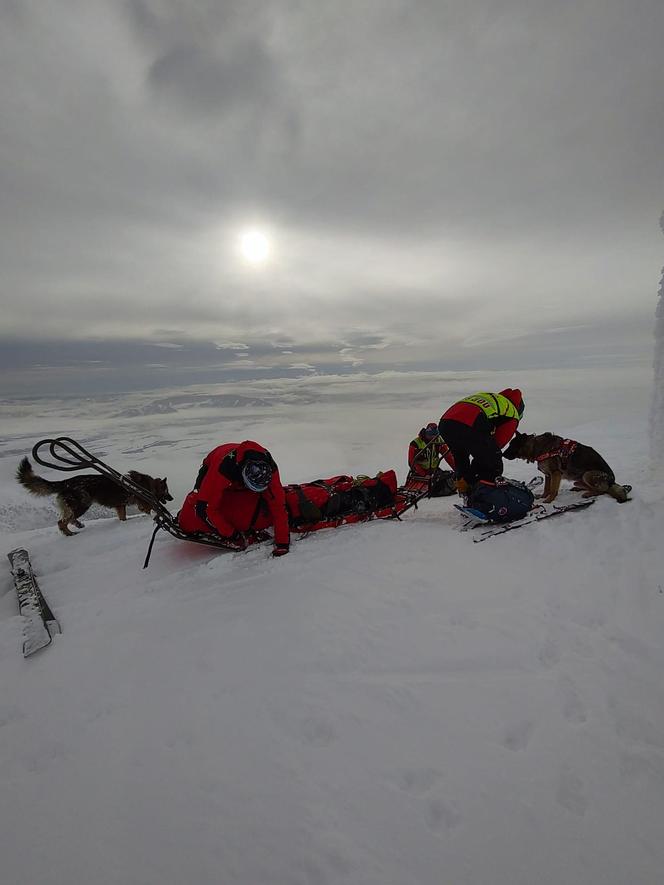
(514, 396)
(256, 475)
(430, 432)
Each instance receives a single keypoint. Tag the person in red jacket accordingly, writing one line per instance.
(479, 427)
(238, 490)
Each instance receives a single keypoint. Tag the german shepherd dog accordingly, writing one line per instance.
(557, 458)
(75, 494)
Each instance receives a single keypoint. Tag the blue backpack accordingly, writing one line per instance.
(504, 502)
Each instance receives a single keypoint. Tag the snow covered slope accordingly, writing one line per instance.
(390, 704)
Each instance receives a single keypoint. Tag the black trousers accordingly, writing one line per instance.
(474, 442)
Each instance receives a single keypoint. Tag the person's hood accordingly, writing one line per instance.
(515, 397)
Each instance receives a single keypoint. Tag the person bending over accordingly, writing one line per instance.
(238, 490)
(476, 429)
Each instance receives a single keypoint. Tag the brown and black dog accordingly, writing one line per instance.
(557, 458)
(75, 494)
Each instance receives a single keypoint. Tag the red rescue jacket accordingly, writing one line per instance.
(220, 502)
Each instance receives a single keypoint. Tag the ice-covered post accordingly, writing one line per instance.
(657, 407)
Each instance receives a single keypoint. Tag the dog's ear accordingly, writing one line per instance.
(165, 491)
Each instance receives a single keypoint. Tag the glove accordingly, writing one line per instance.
(462, 486)
(280, 549)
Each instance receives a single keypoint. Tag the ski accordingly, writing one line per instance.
(39, 624)
(474, 517)
(543, 514)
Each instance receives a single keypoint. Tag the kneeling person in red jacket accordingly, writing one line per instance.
(238, 490)
(425, 453)
(478, 427)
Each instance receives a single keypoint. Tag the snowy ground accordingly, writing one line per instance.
(390, 704)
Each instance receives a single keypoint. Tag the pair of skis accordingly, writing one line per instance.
(539, 514)
(478, 520)
(40, 624)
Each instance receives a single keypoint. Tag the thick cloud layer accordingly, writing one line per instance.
(435, 176)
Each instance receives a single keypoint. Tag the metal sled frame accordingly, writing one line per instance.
(65, 453)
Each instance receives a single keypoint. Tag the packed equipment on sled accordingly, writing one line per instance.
(340, 499)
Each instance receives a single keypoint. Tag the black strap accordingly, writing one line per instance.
(151, 544)
(309, 512)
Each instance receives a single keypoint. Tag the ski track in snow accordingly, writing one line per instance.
(388, 704)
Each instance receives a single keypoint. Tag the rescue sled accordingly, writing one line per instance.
(366, 498)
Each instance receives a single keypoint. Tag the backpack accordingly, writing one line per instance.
(505, 501)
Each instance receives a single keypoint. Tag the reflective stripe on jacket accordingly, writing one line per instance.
(494, 405)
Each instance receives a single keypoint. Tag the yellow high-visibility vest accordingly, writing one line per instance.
(432, 460)
(494, 405)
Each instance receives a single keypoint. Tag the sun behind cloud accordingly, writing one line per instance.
(254, 246)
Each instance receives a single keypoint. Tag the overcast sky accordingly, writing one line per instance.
(443, 184)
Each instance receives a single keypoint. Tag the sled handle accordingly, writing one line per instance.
(59, 461)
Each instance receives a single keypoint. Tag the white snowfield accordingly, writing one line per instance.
(389, 704)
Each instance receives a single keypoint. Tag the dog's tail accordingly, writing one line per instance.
(602, 483)
(33, 483)
(618, 492)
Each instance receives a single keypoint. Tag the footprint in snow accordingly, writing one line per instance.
(441, 815)
(571, 792)
(318, 731)
(574, 710)
(549, 653)
(517, 736)
(418, 780)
